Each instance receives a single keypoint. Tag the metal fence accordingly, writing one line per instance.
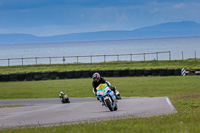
(164, 55)
(84, 59)
(182, 55)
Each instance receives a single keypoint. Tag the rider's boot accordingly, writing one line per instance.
(103, 104)
(98, 98)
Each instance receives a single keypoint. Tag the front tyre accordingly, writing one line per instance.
(115, 108)
(109, 104)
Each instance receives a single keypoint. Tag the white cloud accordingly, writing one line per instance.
(3, 31)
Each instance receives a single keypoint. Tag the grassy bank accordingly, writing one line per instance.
(188, 64)
(11, 106)
(128, 86)
(183, 91)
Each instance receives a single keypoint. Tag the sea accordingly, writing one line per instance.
(94, 51)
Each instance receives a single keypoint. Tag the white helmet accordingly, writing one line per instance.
(61, 92)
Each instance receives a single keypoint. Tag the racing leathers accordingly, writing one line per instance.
(61, 96)
(95, 84)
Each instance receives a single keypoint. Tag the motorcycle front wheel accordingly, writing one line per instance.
(115, 108)
(109, 104)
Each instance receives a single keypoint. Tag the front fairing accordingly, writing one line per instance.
(65, 97)
(103, 90)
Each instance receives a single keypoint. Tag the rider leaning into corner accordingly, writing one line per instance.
(97, 79)
(61, 95)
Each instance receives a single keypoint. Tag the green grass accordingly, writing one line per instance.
(11, 106)
(128, 86)
(175, 64)
(184, 92)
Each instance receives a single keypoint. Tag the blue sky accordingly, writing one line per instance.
(55, 17)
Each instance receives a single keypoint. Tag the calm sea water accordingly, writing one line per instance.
(176, 45)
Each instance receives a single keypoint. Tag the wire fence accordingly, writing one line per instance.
(86, 59)
(164, 55)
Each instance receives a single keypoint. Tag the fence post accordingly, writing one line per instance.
(195, 55)
(157, 56)
(63, 60)
(91, 58)
(182, 55)
(50, 60)
(169, 55)
(131, 56)
(36, 60)
(8, 62)
(22, 61)
(117, 57)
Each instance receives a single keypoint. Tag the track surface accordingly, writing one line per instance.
(46, 112)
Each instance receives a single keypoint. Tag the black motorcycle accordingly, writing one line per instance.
(65, 99)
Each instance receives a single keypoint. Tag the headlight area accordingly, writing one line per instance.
(100, 96)
(109, 91)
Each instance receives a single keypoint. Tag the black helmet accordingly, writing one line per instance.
(96, 76)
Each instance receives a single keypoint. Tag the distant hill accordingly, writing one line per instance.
(171, 29)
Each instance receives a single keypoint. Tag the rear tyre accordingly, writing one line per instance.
(108, 103)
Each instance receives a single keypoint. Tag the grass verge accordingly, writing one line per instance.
(128, 86)
(11, 106)
(175, 64)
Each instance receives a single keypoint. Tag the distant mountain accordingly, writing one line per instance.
(171, 29)
(17, 38)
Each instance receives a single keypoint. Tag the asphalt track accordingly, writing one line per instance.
(47, 112)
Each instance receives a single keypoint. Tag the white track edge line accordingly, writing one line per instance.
(170, 104)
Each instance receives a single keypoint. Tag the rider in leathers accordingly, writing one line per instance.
(97, 79)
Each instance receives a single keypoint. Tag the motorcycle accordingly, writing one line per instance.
(65, 99)
(107, 97)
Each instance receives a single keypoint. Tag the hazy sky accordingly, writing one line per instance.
(55, 17)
